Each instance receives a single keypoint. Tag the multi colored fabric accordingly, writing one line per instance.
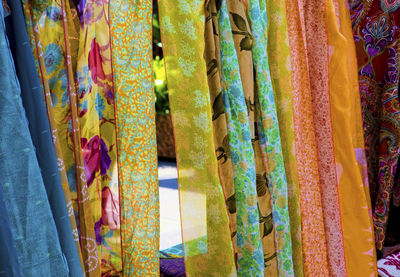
(312, 221)
(270, 138)
(221, 139)
(389, 266)
(250, 255)
(131, 44)
(281, 78)
(54, 27)
(359, 250)
(27, 206)
(205, 227)
(376, 34)
(96, 111)
(35, 110)
(318, 67)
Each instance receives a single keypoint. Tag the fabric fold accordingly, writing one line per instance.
(205, 227)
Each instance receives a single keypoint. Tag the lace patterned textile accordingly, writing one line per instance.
(318, 67)
(205, 227)
(313, 231)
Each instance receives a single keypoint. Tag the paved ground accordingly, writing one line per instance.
(169, 205)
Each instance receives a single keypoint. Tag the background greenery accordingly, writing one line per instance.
(160, 82)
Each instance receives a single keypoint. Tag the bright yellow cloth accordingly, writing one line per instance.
(205, 228)
(357, 226)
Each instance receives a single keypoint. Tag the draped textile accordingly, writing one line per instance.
(32, 224)
(96, 112)
(270, 138)
(360, 258)
(130, 29)
(221, 139)
(281, 78)
(57, 26)
(312, 221)
(35, 110)
(9, 265)
(376, 34)
(250, 256)
(316, 43)
(205, 228)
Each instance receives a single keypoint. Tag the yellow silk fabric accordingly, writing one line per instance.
(350, 160)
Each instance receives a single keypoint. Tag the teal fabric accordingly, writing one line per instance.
(9, 266)
(270, 138)
(250, 252)
(32, 224)
(33, 102)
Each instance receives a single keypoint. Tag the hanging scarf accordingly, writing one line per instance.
(270, 138)
(313, 231)
(378, 70)
(357, 226)
(205, 227)
(130, 29)
(250, 257)
(281, 77)
(318, 62)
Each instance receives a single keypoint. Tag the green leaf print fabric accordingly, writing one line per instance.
(270, 139)
(250, 253)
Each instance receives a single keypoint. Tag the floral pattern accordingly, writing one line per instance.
(270, 139)
(250, 263)
(203, 210)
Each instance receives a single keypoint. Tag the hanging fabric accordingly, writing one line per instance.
(250, 255)
(32, 224)
(35, 110)
(281, 78)
(9, 265)
(130, 30)
(270, 138)
(96, 112)
(376, 34)
(359, 250)
(205, 227)
(313, 231)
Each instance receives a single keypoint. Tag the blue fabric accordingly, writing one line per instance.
(9, 265)
(33, 102)
(32, 224)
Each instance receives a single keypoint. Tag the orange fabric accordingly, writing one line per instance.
(349, 151)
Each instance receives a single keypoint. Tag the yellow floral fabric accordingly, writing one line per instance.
(205, 227)
(281, 77)
(131, 33)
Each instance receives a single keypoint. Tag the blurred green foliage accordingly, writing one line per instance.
(160, 81)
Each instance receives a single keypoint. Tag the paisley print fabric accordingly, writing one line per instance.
(270, 139)
(250, 257)
(376, 34)
(130, 29)
(313, 231)
(318, 63)
(281, 78)
(360, 258)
